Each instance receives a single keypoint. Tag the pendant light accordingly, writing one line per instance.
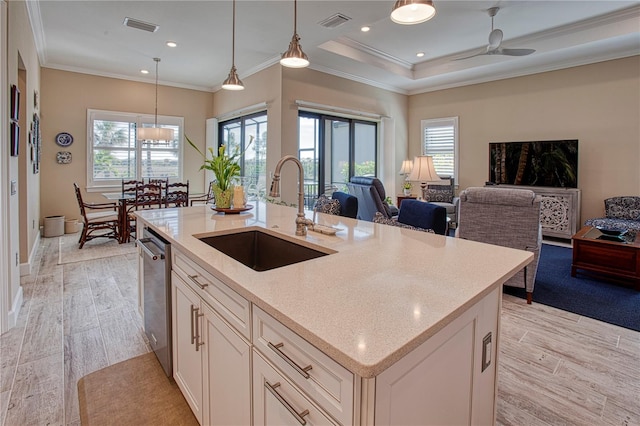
(294, 57)
(155, 133)
(233, 82)
(409, 12)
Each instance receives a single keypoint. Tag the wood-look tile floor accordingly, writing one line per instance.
(555, 367)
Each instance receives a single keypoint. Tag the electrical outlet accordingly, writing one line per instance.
(486, 351)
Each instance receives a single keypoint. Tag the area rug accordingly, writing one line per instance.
(132, 392)
(93, 249)
(583, 295)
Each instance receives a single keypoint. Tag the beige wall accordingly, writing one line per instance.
(65, 98)
(597, 104)
(20, 219)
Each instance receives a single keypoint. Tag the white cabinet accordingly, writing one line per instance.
(187, 358)
(212, 362)
(279, 403)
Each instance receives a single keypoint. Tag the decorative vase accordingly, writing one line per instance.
(223, 198)
(407, 192)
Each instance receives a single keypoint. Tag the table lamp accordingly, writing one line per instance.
(423, 171)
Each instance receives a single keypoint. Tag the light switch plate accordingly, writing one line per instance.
(14, 187)
(486, 351)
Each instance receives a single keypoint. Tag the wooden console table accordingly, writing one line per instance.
(405, 197)
(610, 259)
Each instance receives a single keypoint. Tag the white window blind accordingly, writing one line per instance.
(440, 140)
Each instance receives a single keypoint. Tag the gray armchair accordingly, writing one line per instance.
(371, 195)
(504, 217)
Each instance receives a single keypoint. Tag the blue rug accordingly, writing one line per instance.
(582, 295)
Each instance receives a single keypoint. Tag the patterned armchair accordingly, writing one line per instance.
(443, 195)
(620, 213)
(504, 217)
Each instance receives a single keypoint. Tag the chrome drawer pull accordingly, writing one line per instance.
(193, 319)
(299, 416)
(292, 363)
(193, 279)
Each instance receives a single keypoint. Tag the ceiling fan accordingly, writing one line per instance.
(495, 40)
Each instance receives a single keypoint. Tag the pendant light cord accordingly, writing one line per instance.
(233, 37)
(295, 16)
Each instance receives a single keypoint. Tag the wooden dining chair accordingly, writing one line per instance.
(148, 196)
(206, 198)
(177, 194)
(104, 217)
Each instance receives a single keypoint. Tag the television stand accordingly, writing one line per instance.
(559, 209)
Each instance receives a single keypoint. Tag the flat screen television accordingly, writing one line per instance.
(535, 163)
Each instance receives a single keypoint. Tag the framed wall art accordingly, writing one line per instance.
(15, 103)
(15, 139)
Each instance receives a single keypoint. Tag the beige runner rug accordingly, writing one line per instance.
(132, 392)
(93, 249)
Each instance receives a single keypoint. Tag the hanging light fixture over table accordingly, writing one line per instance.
(409, 12)
(233, 82)
(155, 133)
(294, 57)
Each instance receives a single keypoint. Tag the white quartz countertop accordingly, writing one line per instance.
(382, 293)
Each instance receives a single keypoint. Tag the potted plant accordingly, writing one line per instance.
(225, 168)
(406, 187)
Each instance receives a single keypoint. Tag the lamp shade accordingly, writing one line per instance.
(423, 170)
(409, 12)
(155, 134)
(233, 82)
(407, 165)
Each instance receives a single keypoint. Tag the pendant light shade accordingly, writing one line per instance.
(233, 82)
(409, 12)
(155, 133)
(294, 57)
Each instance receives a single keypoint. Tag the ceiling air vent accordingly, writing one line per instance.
(140, 25)
(334, 20)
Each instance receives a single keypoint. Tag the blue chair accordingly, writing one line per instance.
(371, 198)
(348, 204)
(423, 215)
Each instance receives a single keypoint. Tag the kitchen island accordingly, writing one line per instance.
(394, 326)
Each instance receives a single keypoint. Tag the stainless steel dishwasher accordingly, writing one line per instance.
(156, 255)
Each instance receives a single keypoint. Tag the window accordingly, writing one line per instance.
(114, 153)
(440, 140)
(235, 134)
(332, 150)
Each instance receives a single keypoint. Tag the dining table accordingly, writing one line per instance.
(124, 200)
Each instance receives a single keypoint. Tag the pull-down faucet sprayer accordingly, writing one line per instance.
(301, 221)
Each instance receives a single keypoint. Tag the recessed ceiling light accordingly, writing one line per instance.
(420, 54)
(172, 43)
(144, 71)
(365, 29)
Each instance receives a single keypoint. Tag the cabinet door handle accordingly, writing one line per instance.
(198, 342)
(196, 282)
(193, 319)
(299, 416)
(292, 363)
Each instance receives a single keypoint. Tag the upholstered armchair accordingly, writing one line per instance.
(443, 195)
(340, 204)
(371, 198)
(504, 217)
(620, 213)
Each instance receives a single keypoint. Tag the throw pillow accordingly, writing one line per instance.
(327, 205)
(438, 194)
(379, 218)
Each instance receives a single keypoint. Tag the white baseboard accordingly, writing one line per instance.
(15, 309)
(27, 268)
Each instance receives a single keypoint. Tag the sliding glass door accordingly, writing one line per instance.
(332, 150)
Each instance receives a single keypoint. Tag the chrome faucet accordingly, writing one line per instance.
(301, 221)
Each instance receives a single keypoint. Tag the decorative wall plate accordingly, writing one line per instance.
(64, 139)
(63, 157)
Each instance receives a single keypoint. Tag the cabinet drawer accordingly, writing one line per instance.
(234, 308)
(278, 402)
(320, 377)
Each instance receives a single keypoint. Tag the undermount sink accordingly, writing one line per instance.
(261, 251)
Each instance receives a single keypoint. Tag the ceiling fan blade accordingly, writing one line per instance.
(516, 52)
(495, 38)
